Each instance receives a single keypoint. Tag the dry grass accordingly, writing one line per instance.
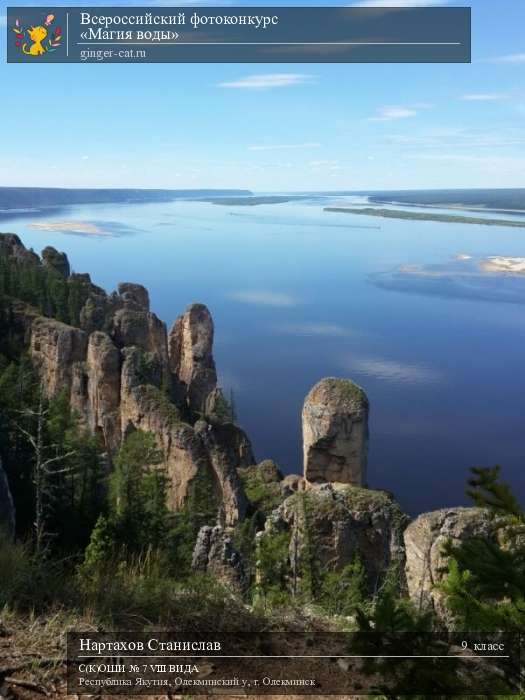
(33, 652)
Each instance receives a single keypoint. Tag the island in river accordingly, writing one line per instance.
(425, 216)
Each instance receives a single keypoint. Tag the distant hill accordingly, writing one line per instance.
(18, 197)
(504, 199)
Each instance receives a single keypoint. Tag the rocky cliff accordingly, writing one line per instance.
(121, 372)
(341, 523)
(426, 562)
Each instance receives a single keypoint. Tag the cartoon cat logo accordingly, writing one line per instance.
(37, 35)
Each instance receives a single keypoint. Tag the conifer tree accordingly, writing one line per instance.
(485, 586)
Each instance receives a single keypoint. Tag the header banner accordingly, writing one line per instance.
(238, 35)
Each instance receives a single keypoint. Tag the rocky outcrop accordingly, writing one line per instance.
(263, 487)
(22, 317)
(11, 246)
(142, 329)
(215, 554)
(7, 508)
(335, 433)
(58, 352)
(219, 449)
(340, 523)
(117, 374)
(426, 562)
(103, 372)
(134, 295)
(269, 472)
(190, 354)
(145, 407)
(95, 314)
(292, 483)
(56, 261)
(228, 449)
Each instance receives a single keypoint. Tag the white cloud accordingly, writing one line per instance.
(510, 58)
(269, 80)
(485, 97)
(386, 114)
(285, 146)
(391, 370)
(263, 297)
(323, 330)
(457, 138)
(399, 3)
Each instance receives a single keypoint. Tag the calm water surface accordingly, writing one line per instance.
(292, 292)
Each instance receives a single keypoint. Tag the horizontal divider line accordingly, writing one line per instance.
(298, 656)
(273, 43)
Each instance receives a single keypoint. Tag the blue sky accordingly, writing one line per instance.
(277, 126)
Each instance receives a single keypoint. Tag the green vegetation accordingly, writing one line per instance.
(272, 589)
(391, 625)
(161, 401)
(137, 561)
(137, 522)
(496, 198)
(44, 288)
(263, 495)
(424, 216)
(53, 464)
(485, 587)
(289, 571)
(223, 410)
(137, 518)
(253, 200)
(306, 566)
(345, 389)
(200, 508)
(344, 592)
(148, 368)
(123, 593)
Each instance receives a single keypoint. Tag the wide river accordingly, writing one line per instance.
(295, 297)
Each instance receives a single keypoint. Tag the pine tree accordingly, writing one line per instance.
(138, 485)
(485, 586)
(342, 592)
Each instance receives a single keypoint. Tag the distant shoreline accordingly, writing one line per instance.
(423, 216)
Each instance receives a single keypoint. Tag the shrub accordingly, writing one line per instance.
(343, 591)
(29, 582)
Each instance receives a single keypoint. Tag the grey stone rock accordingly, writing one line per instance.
(292, 483)
(341, 522)
(103, 371)
(335, 433)
(190, 352)
(58, 352)
(134, 295)
(228, 449)
(215, 554)
(426, 562)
